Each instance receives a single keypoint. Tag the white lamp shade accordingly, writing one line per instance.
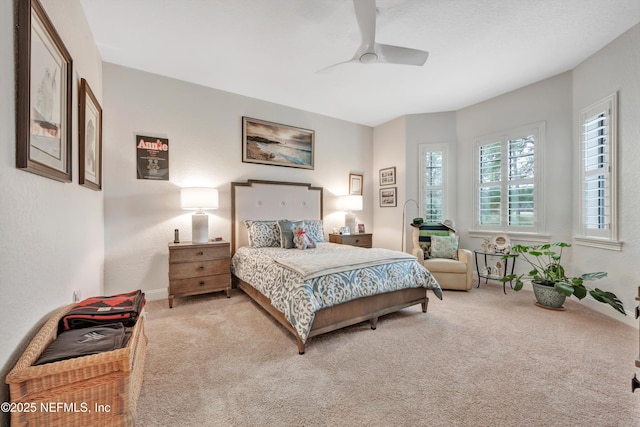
(351, 203)
(199, 198)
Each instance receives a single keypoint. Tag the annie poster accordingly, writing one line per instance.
(152, 158)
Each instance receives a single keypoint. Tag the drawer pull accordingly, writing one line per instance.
(200, 253)
(201, 268)
(201, 283)
(357, 240)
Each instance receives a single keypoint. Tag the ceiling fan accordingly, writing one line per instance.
(371, 52)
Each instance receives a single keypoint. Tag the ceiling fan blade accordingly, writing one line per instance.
(326, 69)
(400, 55)
(366, 17)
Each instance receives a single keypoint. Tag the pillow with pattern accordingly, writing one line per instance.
(286, 232)
(444, 247)
(263, 234)
(315, 229)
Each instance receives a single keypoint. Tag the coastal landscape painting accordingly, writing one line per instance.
(276, 144)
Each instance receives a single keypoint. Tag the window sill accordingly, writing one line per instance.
(513, 235)
(612, 245)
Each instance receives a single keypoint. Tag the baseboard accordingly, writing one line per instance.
(156, 294)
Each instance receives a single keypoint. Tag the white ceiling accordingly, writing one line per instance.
(272, 49)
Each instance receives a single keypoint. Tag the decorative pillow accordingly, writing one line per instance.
(286, 232)
(425, 232)
(315, 229)
(444, 247)
(263, 234)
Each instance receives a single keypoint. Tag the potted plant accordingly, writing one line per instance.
(550, 283)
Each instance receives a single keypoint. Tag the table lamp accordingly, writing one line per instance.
(199, 198)
(350, 204)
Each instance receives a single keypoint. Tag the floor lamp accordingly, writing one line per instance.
(404, 212)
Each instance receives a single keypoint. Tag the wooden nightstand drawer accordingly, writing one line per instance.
(363, 240)
(190, 254)
(200, 285)
(196, 269)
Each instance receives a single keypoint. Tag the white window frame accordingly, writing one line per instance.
(444, 149)
(538, 130)
(601, 238)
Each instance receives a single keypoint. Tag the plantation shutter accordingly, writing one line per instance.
(433, 186)
(490, 191)
(597, 169)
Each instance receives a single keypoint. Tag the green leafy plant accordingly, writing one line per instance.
(547, 270)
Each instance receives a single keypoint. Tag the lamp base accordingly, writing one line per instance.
(200, 228)
(350, 221)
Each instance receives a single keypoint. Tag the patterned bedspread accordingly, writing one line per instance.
(299, 299)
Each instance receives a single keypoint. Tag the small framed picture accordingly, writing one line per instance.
(355, 184)
(90, 141)
(361, 228)
(388, 176)
(344, 230)
(388, 197)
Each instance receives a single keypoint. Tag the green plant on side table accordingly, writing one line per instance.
(550, 283)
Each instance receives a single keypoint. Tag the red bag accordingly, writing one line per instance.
(94, 311)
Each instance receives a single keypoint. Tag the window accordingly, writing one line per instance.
(508, 195)
(433, 181)
(598, 203)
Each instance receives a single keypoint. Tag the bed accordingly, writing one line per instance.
(319, 290)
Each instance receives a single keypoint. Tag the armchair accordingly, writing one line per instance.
(451, 273)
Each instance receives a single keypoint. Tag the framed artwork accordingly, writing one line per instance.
(388, 197)
(152, 158)
(361, 228)
(355, 184)
(90, 140)
(388, 176)
(43, 92)
(274, 144)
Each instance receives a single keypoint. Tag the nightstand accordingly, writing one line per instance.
(363, 240)
(199, 268)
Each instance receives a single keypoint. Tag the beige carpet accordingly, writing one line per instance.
(480, 358)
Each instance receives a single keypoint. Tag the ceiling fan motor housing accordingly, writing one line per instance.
(369, 58)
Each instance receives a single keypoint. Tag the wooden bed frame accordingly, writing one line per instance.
(268, 207)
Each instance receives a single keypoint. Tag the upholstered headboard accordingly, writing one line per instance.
(271, 200)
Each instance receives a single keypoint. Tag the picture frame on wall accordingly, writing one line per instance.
(388, 197)
(276, 144)
(355, 184)
(43, 95)
(90, 138)
(388, 176)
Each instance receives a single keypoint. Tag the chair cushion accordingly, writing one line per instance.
(445, 265)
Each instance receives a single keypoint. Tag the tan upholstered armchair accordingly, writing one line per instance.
(451, 273)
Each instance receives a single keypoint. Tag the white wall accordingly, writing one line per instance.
(548, 101)
(52, 233)
(389, 148)
(615, 68)
(204, 127)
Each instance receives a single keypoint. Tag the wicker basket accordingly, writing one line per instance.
(100, 389)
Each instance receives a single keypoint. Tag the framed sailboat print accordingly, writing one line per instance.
(44, 92)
